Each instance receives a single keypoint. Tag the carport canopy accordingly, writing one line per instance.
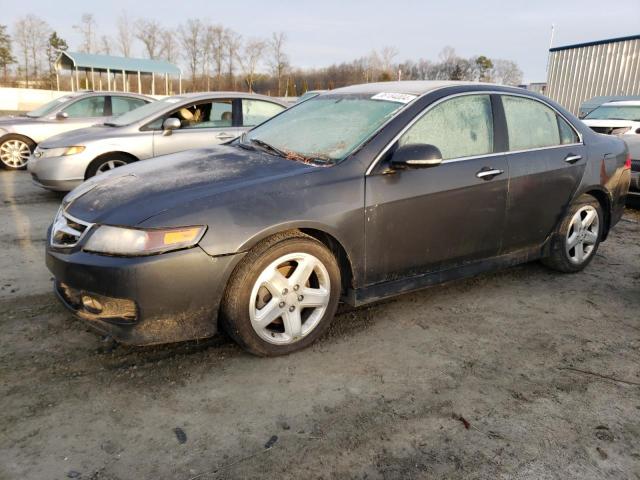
(112, 65)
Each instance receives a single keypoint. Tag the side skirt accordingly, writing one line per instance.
(383, 290)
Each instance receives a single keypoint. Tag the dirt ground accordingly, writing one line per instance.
(520, 374)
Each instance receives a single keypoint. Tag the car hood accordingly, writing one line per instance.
(81, 136)
(11, 120)
(610, 123)
(132, 194)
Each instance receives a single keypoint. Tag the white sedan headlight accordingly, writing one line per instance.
(135, 242)
(58, 152)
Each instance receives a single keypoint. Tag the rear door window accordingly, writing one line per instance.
(214, 114)
(255, 112)
(120, 105)
(86, 107)
(532, 124)
(459, 127)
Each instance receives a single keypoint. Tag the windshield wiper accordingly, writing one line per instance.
(269, 147)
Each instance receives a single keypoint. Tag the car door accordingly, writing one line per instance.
(203, 124)
(82, 113)
(423, 220)
(546, 161)
(254, 112)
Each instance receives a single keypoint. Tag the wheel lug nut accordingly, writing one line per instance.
(300, 298)
(292, 308)
(296, 287)
(281, 304)
(285, 291)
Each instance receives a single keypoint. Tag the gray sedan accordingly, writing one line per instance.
(167, 126)
(19, 135)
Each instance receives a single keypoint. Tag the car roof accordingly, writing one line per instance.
(617, 103)
(206, 95)
(411, 87)
(93, 93)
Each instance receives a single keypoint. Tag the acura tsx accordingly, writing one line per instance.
(355, 195)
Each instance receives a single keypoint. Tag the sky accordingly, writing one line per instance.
(320, 33)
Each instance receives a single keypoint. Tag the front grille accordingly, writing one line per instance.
(67, 231)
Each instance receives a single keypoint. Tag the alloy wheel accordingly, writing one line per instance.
(289, 298)
(582, 236)
(110, 165)
(14, 153)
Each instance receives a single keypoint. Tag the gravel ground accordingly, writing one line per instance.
(524, 374)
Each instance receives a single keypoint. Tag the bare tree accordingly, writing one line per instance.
(216, 34)
(190, 38)
(233, 43)
(386, 58)
(125, 34)
(279, 61)
(149, 32)
(105, 45)
(252, 54)
(87, 29)
(168, 45)
(506, 72)
(31, 34)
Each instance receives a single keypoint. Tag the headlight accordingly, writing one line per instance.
(134, 242)
(58, 152)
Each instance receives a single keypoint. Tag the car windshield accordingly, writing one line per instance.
(615, 112)
(325, 129)
(143, 112)
(47, 108)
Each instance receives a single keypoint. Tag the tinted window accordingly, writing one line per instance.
(460, 127)
(530, 124)
(120, 105)
(87, 107)
(255, 112)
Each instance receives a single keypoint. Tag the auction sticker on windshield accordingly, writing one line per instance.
(394, 97)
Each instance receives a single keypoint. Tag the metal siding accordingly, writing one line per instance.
(580, 73)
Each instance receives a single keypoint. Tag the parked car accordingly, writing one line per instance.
(588, 105)
(19, 135)
(166, 126)
(633, 143)
(356, 195)
(615, 118)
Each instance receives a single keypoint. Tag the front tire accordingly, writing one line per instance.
(283, 295)
(576, 241)
(15, 151)
(106, 163)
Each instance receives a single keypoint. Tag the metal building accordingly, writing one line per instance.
(585, 70)
(92, 64)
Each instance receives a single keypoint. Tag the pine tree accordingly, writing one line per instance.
(55, 45)
(6, 56)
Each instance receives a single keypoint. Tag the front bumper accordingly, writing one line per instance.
(173, 296)
(59, 173)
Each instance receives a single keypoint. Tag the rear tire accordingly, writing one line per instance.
(283, 295)
(15, 151)
(105, 163)
(576, 241)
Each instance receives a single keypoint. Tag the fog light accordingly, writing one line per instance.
(91, 305)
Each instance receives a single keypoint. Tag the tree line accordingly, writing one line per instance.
(215, 57)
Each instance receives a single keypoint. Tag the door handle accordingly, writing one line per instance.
(571, 158)
(225, 136)
(489, 173)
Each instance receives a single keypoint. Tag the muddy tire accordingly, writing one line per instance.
(283, 295)
(576, 241)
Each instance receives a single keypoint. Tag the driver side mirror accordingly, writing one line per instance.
(416, 156)
(169, 125)
(62, 116)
